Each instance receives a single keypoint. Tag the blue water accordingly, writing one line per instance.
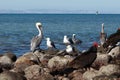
(16, 30)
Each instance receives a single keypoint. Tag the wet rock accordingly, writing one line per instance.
(110, 69)
(12, 56)
(89, 75)
(33, 72)
(58, 62)
(115, 52)
(22, 63)
(7, 75)
(102, 59)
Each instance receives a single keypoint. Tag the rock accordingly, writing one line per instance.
(89, 75)
(12, 56)
(5, 60)
(76, 75)
(6, 63)
(7, 75)
(104, 77)
(22, 63)
(115, 52)
(58, 62)
(1, 69)
(46, 76)
(110, 69)
(33, 72)
(102, 59)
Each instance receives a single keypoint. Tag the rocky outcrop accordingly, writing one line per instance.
(58, 62)
(102, 59)
(110, 69)
(90, 74)
(7, 75)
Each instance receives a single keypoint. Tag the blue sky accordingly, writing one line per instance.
(104, 6)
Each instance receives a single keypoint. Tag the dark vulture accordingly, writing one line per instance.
(85, 59)
(112, 39)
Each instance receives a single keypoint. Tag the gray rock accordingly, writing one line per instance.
(110, 69)
(6, 63)
(58, 62)
(102, 59)
(115, 52)
(89, 75)
(12, 56)
(33, 72)
(22, 63)
(7, 75)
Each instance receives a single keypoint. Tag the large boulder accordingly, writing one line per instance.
(89, 75)
(58, 62)
(76, 75)
(6, 63)
(102, 59)
(12, 56)
(7, 75)
(33, 72)
(22, 63)
(115, 52)
(110, 69)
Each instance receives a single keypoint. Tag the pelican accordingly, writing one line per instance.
(36, 40)
(67, 41)
(102, 35)
(75, 41)
(50, 44)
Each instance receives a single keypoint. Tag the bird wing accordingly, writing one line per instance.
(52, 43)
(84, 60)
(35, 42)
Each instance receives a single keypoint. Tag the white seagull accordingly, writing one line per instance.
(50, 44)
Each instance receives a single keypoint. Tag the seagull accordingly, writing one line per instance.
(50, 44)
(69, 49)
(36, 40)
(67, 41)
(75, 41)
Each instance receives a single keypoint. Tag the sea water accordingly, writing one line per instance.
(17, 30)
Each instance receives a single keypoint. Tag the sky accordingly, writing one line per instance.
(103, 6)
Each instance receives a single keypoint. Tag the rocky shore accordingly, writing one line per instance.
(53, 66)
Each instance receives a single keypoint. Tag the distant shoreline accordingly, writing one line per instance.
(66, 13)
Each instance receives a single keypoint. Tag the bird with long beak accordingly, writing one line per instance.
(36, 41)
(103, 35)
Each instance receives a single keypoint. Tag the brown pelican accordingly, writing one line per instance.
(36, 40)
(67, 41)
(50, 44)
(103, 35)
(75, 41)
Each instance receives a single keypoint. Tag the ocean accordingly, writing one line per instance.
(17, 30)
